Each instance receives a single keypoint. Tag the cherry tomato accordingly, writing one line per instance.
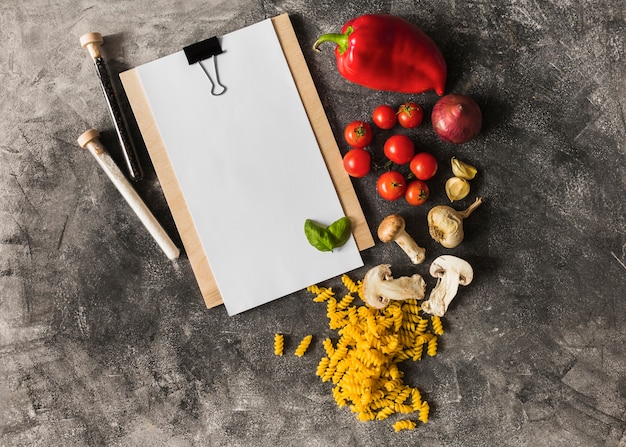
(416, 192)
(391, 185)
(357, 162)
(358, 134)
(424, 166)
(384, 116)
(410, 115)
(399, 149)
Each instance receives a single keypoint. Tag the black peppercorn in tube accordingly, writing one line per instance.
(92, 42)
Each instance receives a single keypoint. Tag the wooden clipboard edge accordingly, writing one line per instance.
(322, 130)
(171, 188)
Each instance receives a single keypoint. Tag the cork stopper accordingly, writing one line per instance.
(86, 137)
(91, 42)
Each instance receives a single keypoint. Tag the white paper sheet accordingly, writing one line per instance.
(249, 167)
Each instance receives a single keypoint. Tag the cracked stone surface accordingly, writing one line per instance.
(103, 341)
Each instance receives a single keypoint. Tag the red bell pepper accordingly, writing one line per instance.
(387, 52)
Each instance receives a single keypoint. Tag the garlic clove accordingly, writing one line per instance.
(463, 170)
(457, 188)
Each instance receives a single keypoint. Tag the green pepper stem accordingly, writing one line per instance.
(341, 39)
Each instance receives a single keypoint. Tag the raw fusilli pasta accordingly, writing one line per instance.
(303, 346)
(410, 307)
(323, 294)
(432, 347)
(352, 286)
(424, 410)
(363, 364)
(345, 301)
(328, 347)
(385, 412)
(435, 320)
(417, 352)
(314, 289)
(322, 366)
(422, 325)
(279, 344)
(404, 424)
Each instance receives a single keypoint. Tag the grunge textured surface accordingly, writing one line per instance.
(103, 341)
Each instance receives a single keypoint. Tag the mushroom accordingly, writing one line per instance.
(451, 272)
(392, 229)
(379, 287)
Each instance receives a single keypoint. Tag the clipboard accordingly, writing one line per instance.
(170, 180)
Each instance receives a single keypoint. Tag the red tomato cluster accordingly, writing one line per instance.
(398, 149)
(408, 115)
(358, 162)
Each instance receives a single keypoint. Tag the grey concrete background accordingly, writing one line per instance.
(103, 341)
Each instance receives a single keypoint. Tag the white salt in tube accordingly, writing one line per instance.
(90, 140)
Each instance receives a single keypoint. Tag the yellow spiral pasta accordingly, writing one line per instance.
(323, 294)
(411, 308)
(331, 308)
(417, 352)
(385, 412)
(437, 325)
(393, 372)
(328, 347)
(411, 318)
(322, 366)
(424, 410)
(365, 415)
(362, 365)
(382, 403)
(422, 325)
(279, 344)
(403, 408)
(432, 347)
(403, 395)
(339, 399)
(345, 301)
(303, 345)
(314, 289)
(328, 374)
(353, 316)
(416, 399)
(423, 339)
(404, 424)
(352, 286)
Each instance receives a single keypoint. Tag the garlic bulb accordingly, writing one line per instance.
(457, 188)
(463, 170)
(445, 224)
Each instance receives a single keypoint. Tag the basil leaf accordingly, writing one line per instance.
(327, 238)
(340, 230)
(318, 236)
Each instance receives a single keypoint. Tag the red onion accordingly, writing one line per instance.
(456, 118)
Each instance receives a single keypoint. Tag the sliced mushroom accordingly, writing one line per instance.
(392, 228)
(379, 287)
(451, 272)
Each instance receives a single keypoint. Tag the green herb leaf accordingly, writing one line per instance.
(340, 230)
(327, 238)
(318, 236)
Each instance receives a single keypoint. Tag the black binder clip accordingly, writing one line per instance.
(198, 52)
